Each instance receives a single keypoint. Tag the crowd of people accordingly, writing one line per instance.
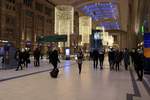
(116, 57)
(138, 62)
(22, 57)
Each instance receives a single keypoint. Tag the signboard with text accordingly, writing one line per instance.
(52, 38)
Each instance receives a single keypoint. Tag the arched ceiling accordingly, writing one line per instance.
(102, 15)
(77, 3)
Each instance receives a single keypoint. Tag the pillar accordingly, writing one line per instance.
(85, 28)
(64, 22)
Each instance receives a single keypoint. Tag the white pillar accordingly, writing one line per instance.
(64, 21)
(85, 28)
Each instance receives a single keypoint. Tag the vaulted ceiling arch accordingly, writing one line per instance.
(123, 8)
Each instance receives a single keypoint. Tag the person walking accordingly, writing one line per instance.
(140, 65)
(117, 60)
(135, 59)
(132, 55)
(26, 57)
(101, 58)
(49, 55)
(54, 59)
(79, 60)
(126, 58)
(111, 58)
(36, 54)
(19, 57)
(120, 57)
(95, 58)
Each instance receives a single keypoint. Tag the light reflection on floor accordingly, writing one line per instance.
(90, 85)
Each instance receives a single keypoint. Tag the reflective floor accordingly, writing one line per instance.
(90, 85)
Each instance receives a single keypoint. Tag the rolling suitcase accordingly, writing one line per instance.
(54, 73)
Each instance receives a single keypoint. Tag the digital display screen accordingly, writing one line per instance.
(146, 40)
(67, 52)
(147, 45)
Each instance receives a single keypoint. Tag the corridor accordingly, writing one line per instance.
(90, 85)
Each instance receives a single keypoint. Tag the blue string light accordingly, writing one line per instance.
(110, 25)
(100, 11)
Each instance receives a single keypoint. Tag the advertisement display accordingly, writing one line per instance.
(67, 53)
(147, 53)
(147, 45)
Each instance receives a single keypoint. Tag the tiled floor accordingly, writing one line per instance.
(147, 77)
(90, 85)
(44, 66)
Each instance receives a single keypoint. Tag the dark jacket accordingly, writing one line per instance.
(54, 57)
(140, 61)
(95, 55)
(111, 55)
(36, 54)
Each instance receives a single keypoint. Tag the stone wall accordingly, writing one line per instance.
(23, 21)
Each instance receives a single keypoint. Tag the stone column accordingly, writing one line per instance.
(64, 21)
(85, 28)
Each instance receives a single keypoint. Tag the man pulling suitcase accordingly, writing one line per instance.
(54, 73)
(54, 61)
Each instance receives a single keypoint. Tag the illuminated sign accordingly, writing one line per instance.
(147, 40)
(147, 45)
(67, 52)
(52, 38)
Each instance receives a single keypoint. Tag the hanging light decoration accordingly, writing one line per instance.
(102, 11)
(110, 25)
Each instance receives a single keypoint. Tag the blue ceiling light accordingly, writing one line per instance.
(100, 11)
(110, 25)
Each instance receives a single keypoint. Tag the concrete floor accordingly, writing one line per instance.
(90, 85)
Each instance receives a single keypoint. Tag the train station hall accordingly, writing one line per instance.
(74, 50)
